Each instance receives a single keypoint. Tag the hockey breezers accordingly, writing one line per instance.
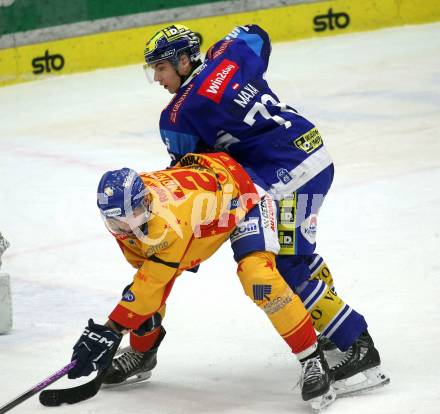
(37, 388)
(54, 398)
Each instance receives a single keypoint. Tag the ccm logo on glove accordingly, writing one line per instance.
(93, 350)
(98, 338)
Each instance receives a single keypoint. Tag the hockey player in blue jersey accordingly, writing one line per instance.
(225, 103)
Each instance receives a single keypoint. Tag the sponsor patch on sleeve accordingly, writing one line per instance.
(308, 228)
(213, 87)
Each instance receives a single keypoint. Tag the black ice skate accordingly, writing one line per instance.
(133, 366)
(332, 353)
(326, 344)
(316, 381)
(361, 358)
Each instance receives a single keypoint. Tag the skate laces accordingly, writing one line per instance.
(348, 356)
(129, 360)
(312, 371)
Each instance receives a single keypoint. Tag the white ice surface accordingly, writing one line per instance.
(375, 97)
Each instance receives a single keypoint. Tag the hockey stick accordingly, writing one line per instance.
(54, 398)
(41, 385)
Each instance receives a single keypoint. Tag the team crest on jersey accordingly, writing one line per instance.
(213, 87)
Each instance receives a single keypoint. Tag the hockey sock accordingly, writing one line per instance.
(302, 338)
(319, 270)
(307, 352)
(330, 314)
(145, 342)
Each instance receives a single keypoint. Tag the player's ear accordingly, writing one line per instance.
(185, 64)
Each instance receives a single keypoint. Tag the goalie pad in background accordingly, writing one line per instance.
(5, 304)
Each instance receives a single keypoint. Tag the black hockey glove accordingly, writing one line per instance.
(92, 351)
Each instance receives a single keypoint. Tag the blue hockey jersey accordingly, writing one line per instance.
(228, 106)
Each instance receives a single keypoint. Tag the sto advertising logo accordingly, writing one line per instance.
(47, 62)
(331, 21)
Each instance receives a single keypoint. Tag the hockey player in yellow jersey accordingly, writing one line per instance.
(169, 221)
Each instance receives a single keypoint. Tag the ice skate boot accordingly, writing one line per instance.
(332, 354)
(326, 344)
(315, 381)
(359, 370)
(133, 366)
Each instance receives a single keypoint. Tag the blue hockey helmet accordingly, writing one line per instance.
(170, 42)
(121, 200)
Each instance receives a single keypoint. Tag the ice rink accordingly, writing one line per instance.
(376, 99)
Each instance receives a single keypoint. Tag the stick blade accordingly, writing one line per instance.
(54, 398)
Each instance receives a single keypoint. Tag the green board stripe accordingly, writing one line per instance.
(312, 18)
(24, 15)
(109, 24)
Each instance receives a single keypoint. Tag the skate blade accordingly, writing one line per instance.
(132, 380)
(364, 381)
(323, 401)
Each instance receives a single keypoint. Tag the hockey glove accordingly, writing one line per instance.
(92, 351)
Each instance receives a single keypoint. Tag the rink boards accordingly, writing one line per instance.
(125, 47)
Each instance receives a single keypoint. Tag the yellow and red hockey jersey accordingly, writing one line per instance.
(194, 208)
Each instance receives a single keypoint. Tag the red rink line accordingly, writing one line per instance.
(58, 158)
(13, 254)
